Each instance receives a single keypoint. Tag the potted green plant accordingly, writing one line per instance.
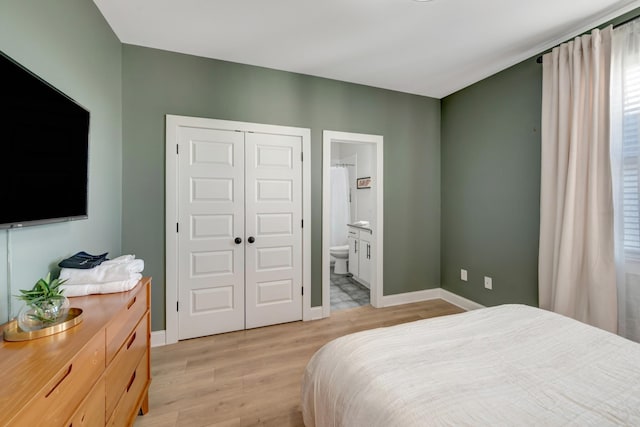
(45, 304)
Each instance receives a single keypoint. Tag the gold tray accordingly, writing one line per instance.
(12, 331)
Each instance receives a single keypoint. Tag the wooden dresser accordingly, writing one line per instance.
(94, 374)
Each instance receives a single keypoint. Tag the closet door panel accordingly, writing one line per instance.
(211, 216)
(273, 210)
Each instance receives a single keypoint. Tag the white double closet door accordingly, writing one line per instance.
(240, 235)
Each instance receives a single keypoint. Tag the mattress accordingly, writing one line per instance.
(509, 365)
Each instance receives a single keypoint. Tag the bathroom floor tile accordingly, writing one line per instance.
(347, 293)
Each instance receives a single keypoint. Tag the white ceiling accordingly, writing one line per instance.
(432, 48)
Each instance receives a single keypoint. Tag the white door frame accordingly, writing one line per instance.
(171, 206)
(377, 224)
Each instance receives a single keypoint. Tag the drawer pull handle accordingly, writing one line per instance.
(60, 381)
(133, 377)
(133, 338)
(133, 301)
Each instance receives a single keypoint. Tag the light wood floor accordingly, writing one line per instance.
(252, 378)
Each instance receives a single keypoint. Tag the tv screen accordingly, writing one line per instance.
(44, 145)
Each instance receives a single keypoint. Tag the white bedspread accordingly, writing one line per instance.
(509, 365)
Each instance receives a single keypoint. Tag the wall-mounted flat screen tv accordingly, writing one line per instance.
(44, 145)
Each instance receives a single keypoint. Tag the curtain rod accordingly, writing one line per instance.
(539, 58)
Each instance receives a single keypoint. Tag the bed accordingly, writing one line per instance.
(509, 365)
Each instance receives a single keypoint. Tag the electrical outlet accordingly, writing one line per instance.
(488, 282)
(463, 275)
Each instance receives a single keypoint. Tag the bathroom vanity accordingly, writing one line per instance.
(360, 252)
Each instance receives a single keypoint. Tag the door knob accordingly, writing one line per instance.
(251, 239)
(238, 240)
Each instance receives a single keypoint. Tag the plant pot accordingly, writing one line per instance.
(42, 314)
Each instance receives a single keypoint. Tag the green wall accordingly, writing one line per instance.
(69, 44)
(157, 82)
(491, 186)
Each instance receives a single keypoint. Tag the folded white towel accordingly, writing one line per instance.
(119, 260)
(101, 288)
(103, 273)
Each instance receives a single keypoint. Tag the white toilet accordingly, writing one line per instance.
(341, 254)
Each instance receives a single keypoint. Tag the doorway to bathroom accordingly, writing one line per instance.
(352, 230)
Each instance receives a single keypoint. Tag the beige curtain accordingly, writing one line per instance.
(577, 273)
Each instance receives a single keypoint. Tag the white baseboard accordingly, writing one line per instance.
(429, 294)
(158, 338)
(461, 302)
(409, 297)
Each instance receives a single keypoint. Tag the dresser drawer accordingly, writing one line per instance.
(127, 407)
(57, 402)
(124, 364)
(91, 412)
(124, 322)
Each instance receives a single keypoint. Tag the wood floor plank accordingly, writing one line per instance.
(252, 378)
